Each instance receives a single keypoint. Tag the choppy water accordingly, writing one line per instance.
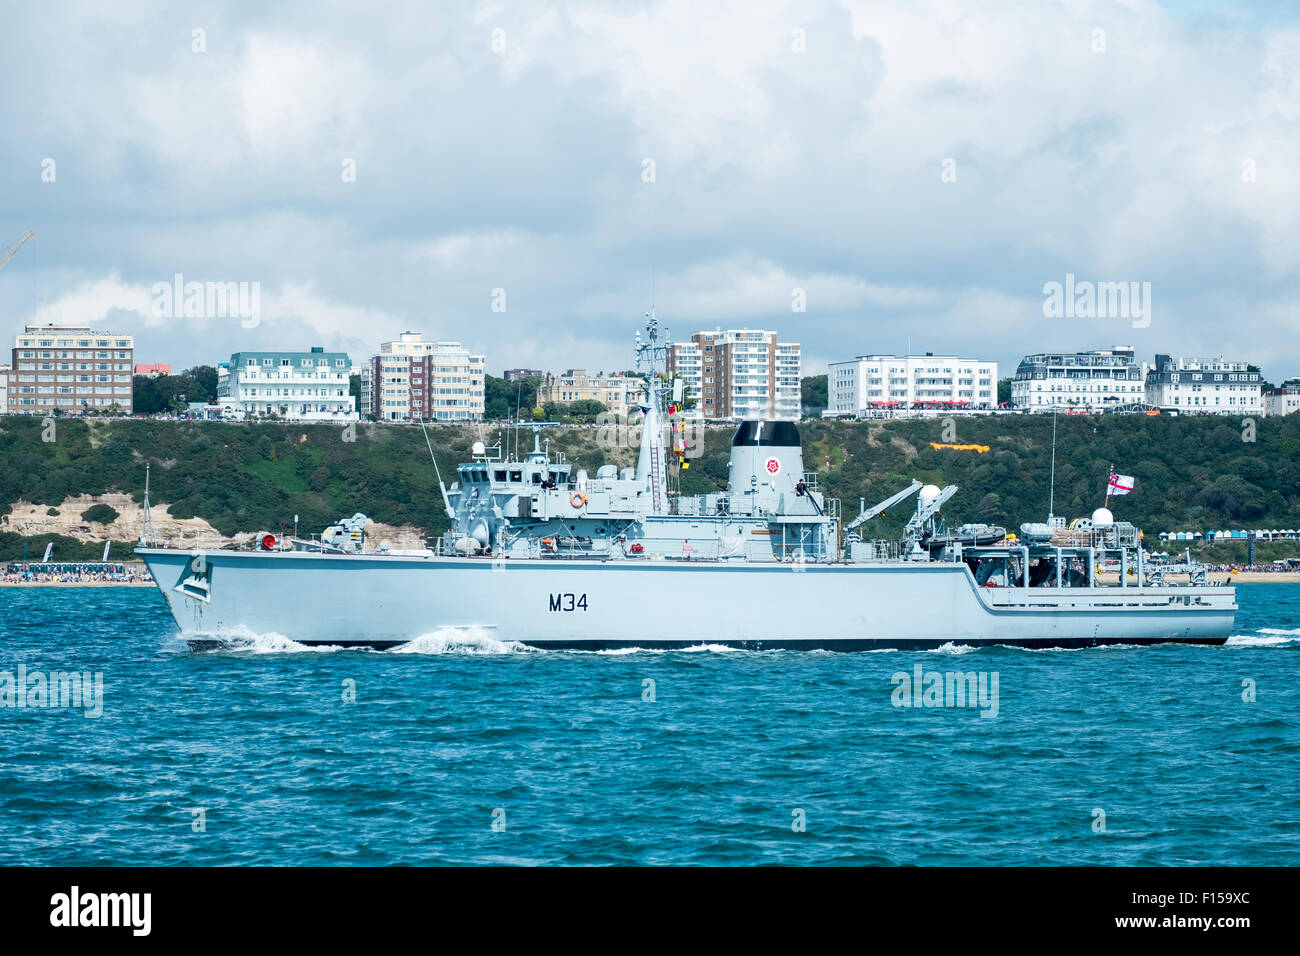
(459, 732)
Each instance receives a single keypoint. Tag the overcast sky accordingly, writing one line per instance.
(919, 169)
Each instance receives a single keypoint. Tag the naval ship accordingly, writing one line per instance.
(544, 554)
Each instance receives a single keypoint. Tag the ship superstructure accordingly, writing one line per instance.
(543, 553)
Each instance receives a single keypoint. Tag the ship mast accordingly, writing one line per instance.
(650, 354)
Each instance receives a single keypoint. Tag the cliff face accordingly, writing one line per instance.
(67, 519)
(227, 482)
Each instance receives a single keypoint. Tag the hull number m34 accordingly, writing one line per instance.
(568, 602)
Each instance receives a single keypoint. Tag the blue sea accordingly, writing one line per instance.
(462, 750)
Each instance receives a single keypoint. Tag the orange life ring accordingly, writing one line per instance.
(577, 499)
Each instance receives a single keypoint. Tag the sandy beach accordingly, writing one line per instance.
(1248, 577)
(1223, 577)
(76, 584)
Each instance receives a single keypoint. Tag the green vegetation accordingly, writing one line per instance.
(52, 512)
(813, 394)
(1004, 391)
(502, 400)
(1193, 472)
(582, 412)
(99, 514)
(171, 393)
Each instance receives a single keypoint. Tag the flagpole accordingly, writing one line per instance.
(1051, 494)
(1109, 471)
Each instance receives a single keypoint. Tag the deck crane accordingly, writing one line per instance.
(880, 508)
(13, 250)
(927, 507)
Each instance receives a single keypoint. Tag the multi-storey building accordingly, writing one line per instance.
(153, 370)
(1084, 380)
(1277, 401)
(300, 386)
(878, 382)
(618, 392)
(1204, 385)
(414, 380)
(739, 374)
(71, 369)
(519, 374)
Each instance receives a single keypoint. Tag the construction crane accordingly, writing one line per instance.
(13, 250)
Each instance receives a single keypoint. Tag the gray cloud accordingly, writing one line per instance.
(522, 169)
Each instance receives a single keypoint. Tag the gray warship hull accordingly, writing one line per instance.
(539, 552)
(382, 601)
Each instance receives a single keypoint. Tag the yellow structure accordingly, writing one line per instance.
(979, 448)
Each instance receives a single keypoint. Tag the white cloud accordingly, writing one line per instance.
(91, 302)
(776, 169)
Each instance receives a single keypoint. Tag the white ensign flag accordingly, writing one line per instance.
(1120, 484)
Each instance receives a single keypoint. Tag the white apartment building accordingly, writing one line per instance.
(1082, 380)
(1209, 385)
(72, 369)
(880, 382)
(739, 374)
(413, 380)
(619, 393)
(299, 386)
(1277, 401)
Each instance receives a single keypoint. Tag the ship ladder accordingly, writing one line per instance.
(654, 477)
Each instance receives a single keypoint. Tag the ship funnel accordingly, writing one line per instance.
(765, 453)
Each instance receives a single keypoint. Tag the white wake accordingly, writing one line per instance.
(462, 640)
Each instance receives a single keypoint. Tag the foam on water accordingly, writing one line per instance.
(1073, 650)
(693, 649)
(1267, 637)
(462, 640)
(246, 641)
(953, 649)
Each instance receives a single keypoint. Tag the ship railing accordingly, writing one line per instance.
(873, 551)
